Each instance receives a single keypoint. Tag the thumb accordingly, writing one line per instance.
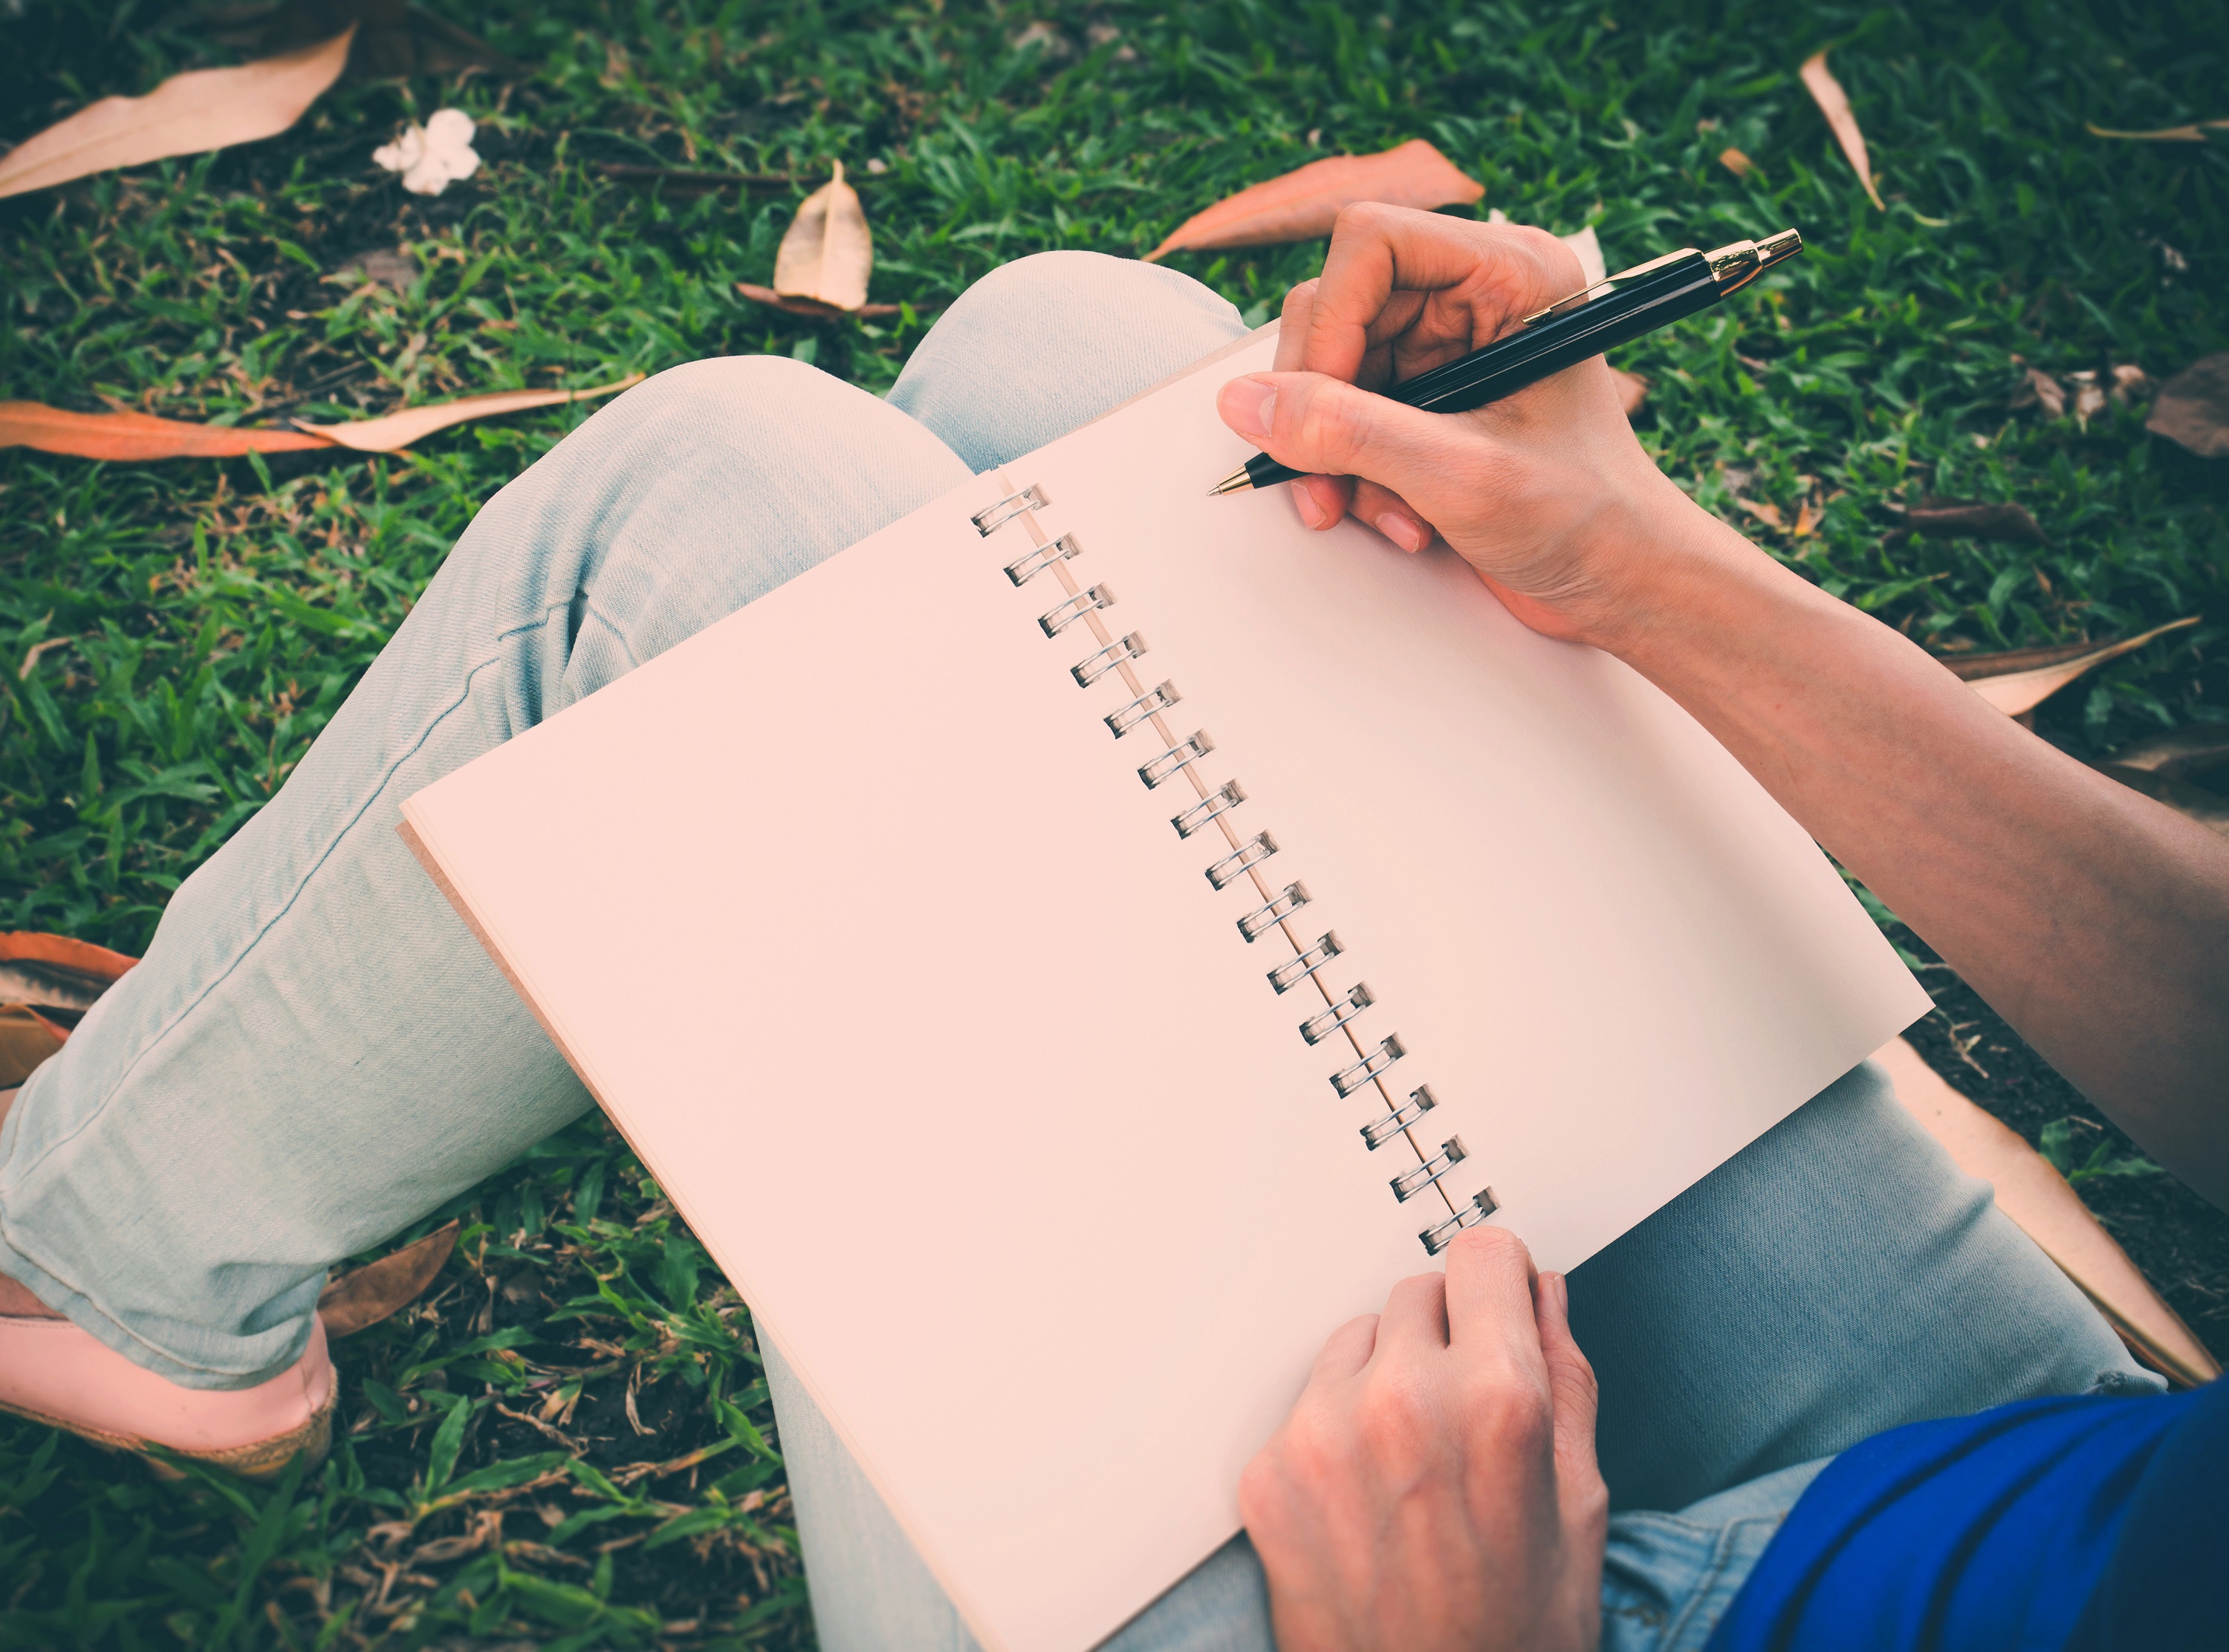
(1571, 1388)
(1320, 425)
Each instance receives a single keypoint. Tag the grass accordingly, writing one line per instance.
(568, 1440)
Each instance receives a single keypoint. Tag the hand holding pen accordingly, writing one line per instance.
(1546, 490)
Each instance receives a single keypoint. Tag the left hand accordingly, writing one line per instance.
(1435, 1486)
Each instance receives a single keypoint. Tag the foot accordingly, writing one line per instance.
(53, 1372)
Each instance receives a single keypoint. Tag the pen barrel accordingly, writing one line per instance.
(1526, 357)
(1510, 364)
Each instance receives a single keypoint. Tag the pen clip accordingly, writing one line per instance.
(1607, 286)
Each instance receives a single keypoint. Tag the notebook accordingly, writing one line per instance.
(1071, 952)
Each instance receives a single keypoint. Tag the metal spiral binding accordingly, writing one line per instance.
(1098, 663)
(1148, 704)
(1232, 866)
(1409, 1183)
(1176, 759)
(1347, 1080)
(1301, 965)
(989, 520)
(1024, 569)
(1241, 866)
(1316, 1028)
(1379, 1131)
(1262, 918)
(1058, 618)
(1437, 1239)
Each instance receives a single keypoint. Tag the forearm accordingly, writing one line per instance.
(2095, 921)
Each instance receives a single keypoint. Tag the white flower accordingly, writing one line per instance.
(429, 157)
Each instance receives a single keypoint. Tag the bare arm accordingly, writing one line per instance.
(2095, 921)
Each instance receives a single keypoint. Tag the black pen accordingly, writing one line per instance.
(1614, 310)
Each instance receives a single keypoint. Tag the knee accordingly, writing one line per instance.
(1092, 284)
(717, 405)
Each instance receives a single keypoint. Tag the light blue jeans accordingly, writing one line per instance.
(316, 1052)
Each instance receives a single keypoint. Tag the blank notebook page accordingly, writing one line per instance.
(863, 927)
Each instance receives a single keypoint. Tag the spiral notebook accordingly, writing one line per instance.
(1068, 952)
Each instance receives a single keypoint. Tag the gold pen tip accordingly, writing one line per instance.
(1231, 483)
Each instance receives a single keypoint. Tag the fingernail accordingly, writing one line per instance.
(1402, 531)
(1558, 1290)
(1247, 406)
(1304, 501)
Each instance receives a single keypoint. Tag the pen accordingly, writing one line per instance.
(1614, 310)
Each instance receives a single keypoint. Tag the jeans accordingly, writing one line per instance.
(316, 1052)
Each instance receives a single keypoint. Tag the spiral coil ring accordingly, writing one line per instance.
(1232, 866)
(1316, 1029)
(1023, 569)
(1262, 920)
(1377, 1133)
(989, 520)
(1098, 663)
(1437, 1239)
(1347, 1080)
(1154, 700)
(1409, 1183)
(1172, 762)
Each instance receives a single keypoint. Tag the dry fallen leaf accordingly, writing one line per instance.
(189, 113)
(2194, 133)
(1304, 204)
(1767, 514)
(811, 307)
(2191, 408)
(2040, 389)
(828, 253)
(29, 1041)
(1735, 162)
(136, 435)
(367, 1295)
(2052, 1214)
(141, 436)
(398, 430)
(2180, 753)
(1632, 390)
(2130, 383)
(1834, 104)
(47, 983)
(1946, 518)
(2020, 679)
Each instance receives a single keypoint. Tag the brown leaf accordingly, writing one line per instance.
(394, 38)
(1735, 162)
(1632, 390)
(395, 431)
(136, 435)
(141, 436)
(2052, 1214)
(1806, 521)
(1944, 518)
(2130, 383)
(1304, 204)
(2040, 389)
(1834, 104)
(28, 1041)
(2194, 133)
(2020, 679)
(2208, 809)
(811, 307)
(828, 253)
(368, 1294)
(1769, 514)
(2180, 752)
(56, 975)
(189, 113)
(2191, 408)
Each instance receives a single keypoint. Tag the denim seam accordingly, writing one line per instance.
(464, 695)
(1722, 1554)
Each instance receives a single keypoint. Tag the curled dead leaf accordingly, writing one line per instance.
(56, 974)
(2052, 1214)
(811, 307)
(1767, 514)
(1834, 103)
(2180, 753)
(2040, 389)
(1304, 204)
(2194, 133)
(1736, 162)
(2019, 680)
(141, 436)
(828, 253)
(29, 1040)
(188, 114)
(363, 1297)
(2191, 408)
(396, 431)
(2130, 383)
(1949, 518)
